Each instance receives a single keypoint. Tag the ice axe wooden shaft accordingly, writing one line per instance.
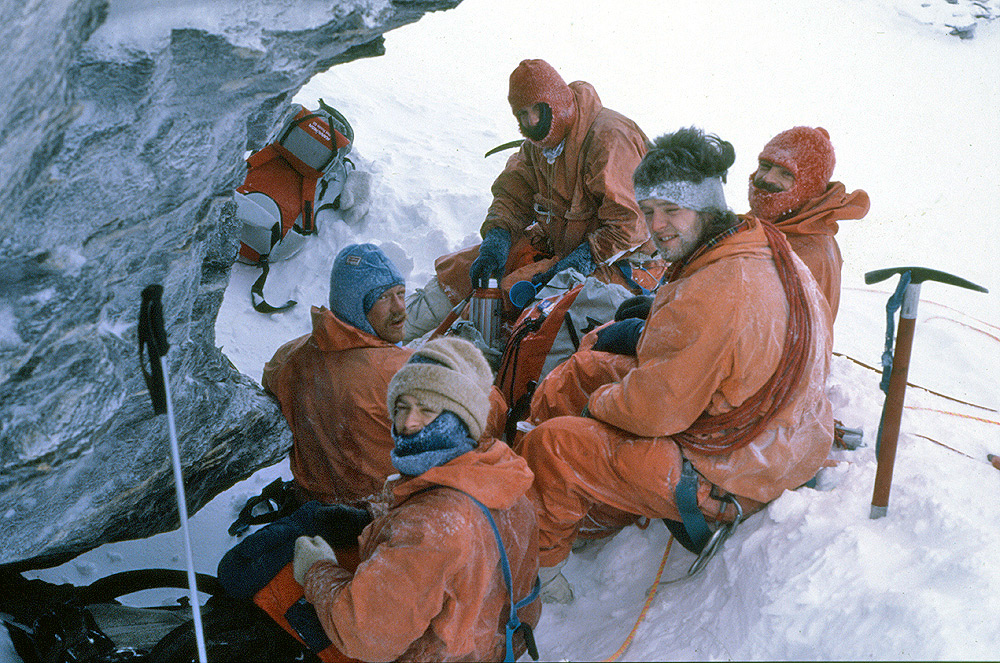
(892, 411)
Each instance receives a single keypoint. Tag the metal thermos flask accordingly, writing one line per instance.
(485, 309)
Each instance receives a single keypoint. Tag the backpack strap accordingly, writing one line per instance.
(257, 291)
(625, 268)
(514, 624)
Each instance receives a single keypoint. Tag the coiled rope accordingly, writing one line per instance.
(722, 433)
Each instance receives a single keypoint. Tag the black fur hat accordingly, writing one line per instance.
(688, 154)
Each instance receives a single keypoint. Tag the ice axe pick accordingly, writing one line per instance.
(892, 410)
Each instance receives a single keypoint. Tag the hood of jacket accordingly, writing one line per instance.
(819, 216)
(331, 334)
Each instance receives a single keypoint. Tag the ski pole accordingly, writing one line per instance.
(153, 336)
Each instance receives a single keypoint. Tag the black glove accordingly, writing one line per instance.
(634, 307)
(341, 525)
(492, 256)
(620, 337)
(578, 259)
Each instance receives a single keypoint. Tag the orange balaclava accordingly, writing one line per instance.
(808, 154)
(536, 82)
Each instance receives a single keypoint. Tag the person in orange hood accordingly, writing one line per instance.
(331, 383)
(726, 379)
(563, 200)
(792, 189)
(430, 585)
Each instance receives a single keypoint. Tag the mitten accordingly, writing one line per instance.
(620, 337)
(308, 551)
(341, 525)
(493, 254)
(634, 307)
(578, 259)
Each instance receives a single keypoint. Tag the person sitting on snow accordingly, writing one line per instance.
(564, 199)
(726, 378)
(331, 383)
(792, 189)
(430, 585)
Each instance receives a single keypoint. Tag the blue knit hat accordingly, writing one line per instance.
(360, 274)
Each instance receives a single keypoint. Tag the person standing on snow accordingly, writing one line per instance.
(430, 585)
(792, 189)
(331, 383)
(563, 200)
(726, 379)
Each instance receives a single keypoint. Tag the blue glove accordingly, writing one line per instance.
(578, 259)
(620, 337)
(492, 256)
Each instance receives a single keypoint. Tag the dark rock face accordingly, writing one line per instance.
(116, 173)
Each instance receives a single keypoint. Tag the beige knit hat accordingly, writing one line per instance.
(448, 373)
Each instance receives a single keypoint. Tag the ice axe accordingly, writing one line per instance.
(896, 366)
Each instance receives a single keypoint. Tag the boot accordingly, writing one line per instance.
(554, 586)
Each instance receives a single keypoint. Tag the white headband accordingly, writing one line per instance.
(698, 197)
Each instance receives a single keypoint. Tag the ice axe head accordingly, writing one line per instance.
(921, 274)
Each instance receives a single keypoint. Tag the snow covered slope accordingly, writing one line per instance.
(912, 113)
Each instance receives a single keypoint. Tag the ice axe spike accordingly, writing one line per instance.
(892, 410)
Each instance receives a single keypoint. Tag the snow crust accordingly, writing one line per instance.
(146, 24)
(912, 113)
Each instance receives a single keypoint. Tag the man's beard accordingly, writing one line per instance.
(771, 205)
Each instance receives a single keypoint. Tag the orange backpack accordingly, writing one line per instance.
(260, 568)
(288, 183)
(283, 600)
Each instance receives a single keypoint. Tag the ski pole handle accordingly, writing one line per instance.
(153, 337)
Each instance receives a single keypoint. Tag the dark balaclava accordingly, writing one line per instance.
(360, 274)
(808, 154)
(536, 82)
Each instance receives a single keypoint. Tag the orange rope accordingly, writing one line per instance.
(924, 301)
(975, 329)
(645, 608)
(931, 439)
(954, 414)
(915, 386)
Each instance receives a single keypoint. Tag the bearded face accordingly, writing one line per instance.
(773, 193)
(793, 168)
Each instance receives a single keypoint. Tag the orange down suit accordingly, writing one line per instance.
(714, 336)
(811, 232)
(587, 189)
(429, 586)
(331, 386)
